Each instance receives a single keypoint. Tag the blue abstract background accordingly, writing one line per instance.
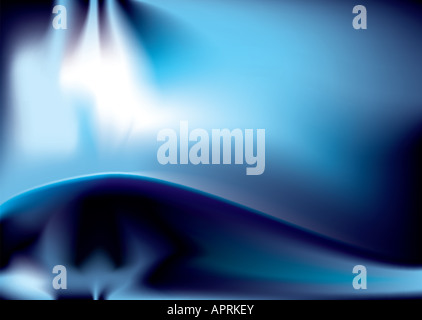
(80, 184)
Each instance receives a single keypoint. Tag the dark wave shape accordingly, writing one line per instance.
(186, 241)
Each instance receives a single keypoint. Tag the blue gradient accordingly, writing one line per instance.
(342, 110)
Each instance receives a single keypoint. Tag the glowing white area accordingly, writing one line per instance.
(43, 122)
(124, 103)
(24, 281)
